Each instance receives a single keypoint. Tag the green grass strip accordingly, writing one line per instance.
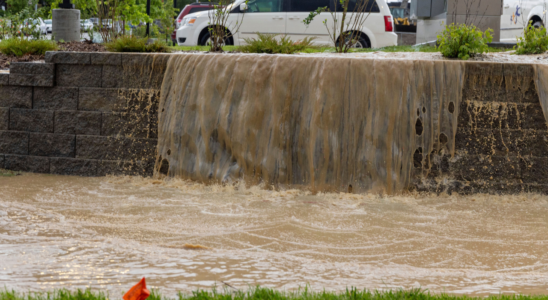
(267, 294)
(416, 48)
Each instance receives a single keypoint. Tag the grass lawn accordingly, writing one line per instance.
(267, 294)
(423, 48)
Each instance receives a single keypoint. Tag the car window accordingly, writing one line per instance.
(197, 9)
(257, 6)
(361, 6)
(308, 5)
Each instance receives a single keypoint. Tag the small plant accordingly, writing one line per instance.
(534, 41)
(463, 41)
(346, 23)
(22, 46)
(268, 43)
(221, 30)
(128, 43)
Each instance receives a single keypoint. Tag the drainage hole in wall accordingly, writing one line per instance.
(451, 107)
(418, 127)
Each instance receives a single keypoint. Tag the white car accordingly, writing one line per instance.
(286, 18)
(37, 23)
(516, 15)
(49, 25)
(86, 24)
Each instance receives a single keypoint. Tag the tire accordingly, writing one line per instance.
(360, 43)
(538, 24)
(205, 40)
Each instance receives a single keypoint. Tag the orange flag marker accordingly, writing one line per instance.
(138, 291)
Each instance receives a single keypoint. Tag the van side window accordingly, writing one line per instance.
(197, 9)
(259, 6)
(308, 5)
(365, 5)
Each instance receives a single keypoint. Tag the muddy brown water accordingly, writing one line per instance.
(63, 231)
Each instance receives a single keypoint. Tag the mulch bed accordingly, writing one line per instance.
(6, 60)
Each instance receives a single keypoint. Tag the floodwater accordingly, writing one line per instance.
(62, 231)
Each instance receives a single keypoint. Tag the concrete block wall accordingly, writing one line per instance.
(502, 136)
(88, 114)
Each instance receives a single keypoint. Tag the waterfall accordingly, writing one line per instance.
(313, 122)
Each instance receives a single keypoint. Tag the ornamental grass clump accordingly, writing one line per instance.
(269, 43)
(22, 46)
(129, 43)
(533, 41)
(463, 41)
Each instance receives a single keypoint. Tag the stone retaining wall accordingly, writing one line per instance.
(502, 136)
(86, 114)
(94, 114)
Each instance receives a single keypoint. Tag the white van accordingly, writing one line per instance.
(285, 17)
(516, 15)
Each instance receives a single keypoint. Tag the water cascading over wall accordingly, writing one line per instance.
(327, 124)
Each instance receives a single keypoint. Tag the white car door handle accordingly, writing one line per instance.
(294, 18)
(277, 18)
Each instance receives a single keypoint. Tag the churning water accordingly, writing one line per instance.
(62, 231)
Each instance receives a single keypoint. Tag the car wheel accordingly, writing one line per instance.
(361, 42)
(538, 24)
(206, 40)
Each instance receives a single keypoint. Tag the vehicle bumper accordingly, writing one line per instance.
(386, 39)
(186, 36)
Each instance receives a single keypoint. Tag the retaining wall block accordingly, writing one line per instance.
(32, 68)
(4, 78)
(72, 166)
(485, 167)
(56, 98)
(98, 99)
(79, 75)
(144, 71)
(502, 142)
(4, 118)
(49, 144)
(535, 169)
(31, 74)
(15, 97)
(114, 148)
(501, 115)
(59, 57)
(102, 58)
(77, 122)
(2, 161)
(14, 142)
(25, 163)
(31, 120)
(125, 124)
(113, 76)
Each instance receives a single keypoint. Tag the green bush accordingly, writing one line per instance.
(268, 43)
(136, 44)
(534, 41)
(463, 41)
(23, 46)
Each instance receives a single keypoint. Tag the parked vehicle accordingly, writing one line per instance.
(516, 15)
(95, 21)
(189, 9)
(37, 23)
(286, 17)
(49, 26)
(86, 25)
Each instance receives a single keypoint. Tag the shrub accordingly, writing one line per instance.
(22, 46)
(534, 41)
(268, 43)
(136, 44)
(463, 41)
